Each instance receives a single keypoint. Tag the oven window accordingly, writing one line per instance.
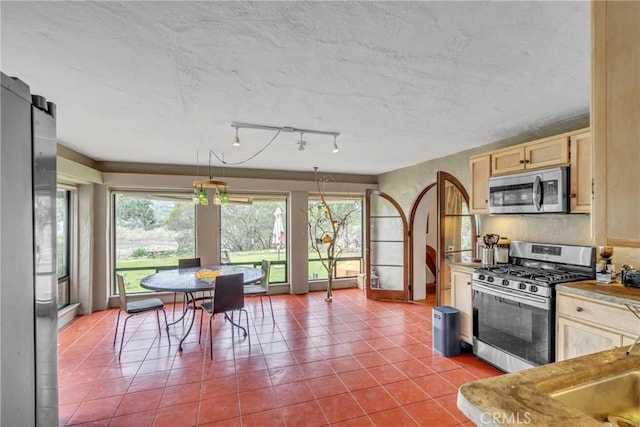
(516, 328)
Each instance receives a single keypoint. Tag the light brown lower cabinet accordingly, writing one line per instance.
(586, 326)
(462, 299)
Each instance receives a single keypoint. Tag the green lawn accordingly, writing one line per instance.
(253, 258)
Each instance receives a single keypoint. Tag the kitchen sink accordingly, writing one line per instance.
(617, 395)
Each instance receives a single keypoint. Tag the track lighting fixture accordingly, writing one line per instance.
(301, 143)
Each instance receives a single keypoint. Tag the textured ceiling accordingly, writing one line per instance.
(403, 82)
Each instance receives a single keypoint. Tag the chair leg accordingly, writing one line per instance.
(210, 338)
(166, 326)
(174, 305)
(248, 334)
(117, 324)
(200, 333)
(124, 328)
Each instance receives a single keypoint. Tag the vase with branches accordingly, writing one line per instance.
(325, 226)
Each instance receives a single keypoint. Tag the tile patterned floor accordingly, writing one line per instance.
(353, 362)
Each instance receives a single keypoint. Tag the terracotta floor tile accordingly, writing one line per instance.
(94, 410)
(218, 387)
(459, 376)
(340, 407)
(430, 413)
(184, 376)
(435, 386)
(139, 419)
(185, 414)
(396, 417)
(148, 381)
(315, 369)
(258, 400)
(229, 422)
(253, 380)
(219, 408)
(344, 364)
(394, 355)
(286, 374)
(358, 380)
(110, 387)
(413, 368)
(326, 386)
(141, 401)
(450, 403)
(288, 394)
(307, 414)
(386, 374)
(65, 412)
(406, 392)
(374, 399)
(369, 360)
(271, 418)
(356, 422)
(179, 394)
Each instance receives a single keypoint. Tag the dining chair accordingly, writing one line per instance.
(137, 307)
(261, 288)
(184, 263)
(228, 296)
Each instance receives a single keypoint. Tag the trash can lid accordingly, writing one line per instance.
(446, 309)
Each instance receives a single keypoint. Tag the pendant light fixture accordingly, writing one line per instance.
(200, 189)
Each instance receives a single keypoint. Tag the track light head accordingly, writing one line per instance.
(236, 140)
(335, 145)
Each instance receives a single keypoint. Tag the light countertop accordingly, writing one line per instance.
(521, 398)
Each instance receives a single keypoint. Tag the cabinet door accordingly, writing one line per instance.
(577, 339)
(461, 298)
(547, 154)
(615, 126)
(581, 173)
(509, 160)
(480, 171)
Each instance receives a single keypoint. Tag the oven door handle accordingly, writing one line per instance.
(537, 193)
(532, 300)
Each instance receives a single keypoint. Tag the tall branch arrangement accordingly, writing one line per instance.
(325, 227)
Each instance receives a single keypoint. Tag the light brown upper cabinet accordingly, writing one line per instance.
(615, 98)
(480, 171)
(568, 149)
(581, 173)
(534, 155)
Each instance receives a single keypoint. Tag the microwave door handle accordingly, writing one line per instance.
(537, 193)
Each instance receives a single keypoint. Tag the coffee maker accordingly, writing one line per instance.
(605, 269)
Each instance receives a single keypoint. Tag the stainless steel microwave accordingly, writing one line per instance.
(540, 191)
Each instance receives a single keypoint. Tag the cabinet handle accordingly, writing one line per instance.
(522, 162)
(469, 283)
(579, 309)
(573, 195)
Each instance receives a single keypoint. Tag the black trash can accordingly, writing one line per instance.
(446, 330)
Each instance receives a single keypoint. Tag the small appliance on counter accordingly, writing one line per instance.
(488, 251)
(605, 269)
(502, 250)
(630, 277)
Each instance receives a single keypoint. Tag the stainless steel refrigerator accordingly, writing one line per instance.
(28, 287)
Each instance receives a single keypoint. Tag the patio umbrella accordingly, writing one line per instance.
(278, 238)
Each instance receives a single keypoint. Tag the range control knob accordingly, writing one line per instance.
(481, 276)
(522, 286)
(533, 288)
(490, 279)
(505, 282)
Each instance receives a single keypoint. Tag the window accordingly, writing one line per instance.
(349, 243)
(151, 231)
(63, 239)
(253, 228)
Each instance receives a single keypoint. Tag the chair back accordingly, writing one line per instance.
(188, 262)
(229, 293)
(266, 267)
(121, 291)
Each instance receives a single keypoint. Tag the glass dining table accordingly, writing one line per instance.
(193, 280)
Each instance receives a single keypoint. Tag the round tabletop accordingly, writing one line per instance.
(185, 280)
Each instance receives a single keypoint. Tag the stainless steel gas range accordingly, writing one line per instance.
(514, 303)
